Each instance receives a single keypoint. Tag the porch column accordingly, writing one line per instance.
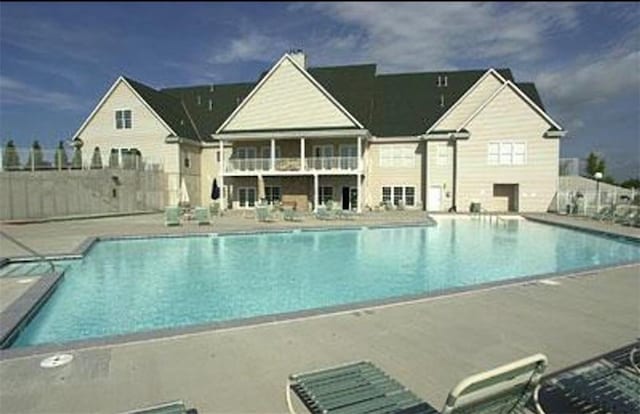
(360, 197)
(302, 167)
(359, 159)
(315, 192)
(223, 203)
(273, 154)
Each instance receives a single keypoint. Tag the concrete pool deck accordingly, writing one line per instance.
(428, 345)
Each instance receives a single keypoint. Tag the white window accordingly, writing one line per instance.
(187, 160)
(326, 194)
(399, 194)
(247, 196)
(348, 157)
(265, 153)
(441, 101)
(323, 156)
(507, 153)
(386, 195)
(123, 119)
(442, 154)
(210, 104)
(272, 194)
(199, 100)
(397, 156)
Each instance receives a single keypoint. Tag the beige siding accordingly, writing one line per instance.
(470, 103)
(507, 118)
(441, 170)
(147, 135)
(147, 132)
(288, 100)
(378, 176)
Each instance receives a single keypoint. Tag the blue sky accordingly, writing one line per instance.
(57, 60)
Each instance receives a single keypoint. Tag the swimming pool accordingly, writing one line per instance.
(128, 286)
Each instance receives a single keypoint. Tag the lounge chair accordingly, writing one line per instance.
(202, 215)
(361, 387)
(172, 216)
(346, 215)
(215, 210)
(262, 214)
(289, 214)
(173, 407)
(322, 213)
(603, 213)
(606, 384)
(629, 217)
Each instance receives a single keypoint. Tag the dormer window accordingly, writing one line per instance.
(123, 119)
(442, 81)
(445, 80)
(199, 99)
(211, 104)
(441, 101)
(439, 81)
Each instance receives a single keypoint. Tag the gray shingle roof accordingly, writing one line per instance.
(388, 105)
(168, 108)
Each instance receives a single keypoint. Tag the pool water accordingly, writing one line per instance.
(128, 286)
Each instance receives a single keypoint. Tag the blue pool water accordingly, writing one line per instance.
(140, 285)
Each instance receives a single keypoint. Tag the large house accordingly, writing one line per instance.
(305, 135)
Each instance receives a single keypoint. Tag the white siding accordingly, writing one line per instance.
(470, 103)
(288, 100)
(508, 118)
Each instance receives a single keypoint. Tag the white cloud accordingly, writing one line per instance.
(15, 92)
(250, 47)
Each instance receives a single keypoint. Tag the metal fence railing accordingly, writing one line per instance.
(42, 159)
(587, 203)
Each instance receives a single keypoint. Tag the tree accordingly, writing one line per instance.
(60, 161)
(631, 183)
(36, 158)
(10, 157)
(96, 160)
(76, 161)
(595, 164)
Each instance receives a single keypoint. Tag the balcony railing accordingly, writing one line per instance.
(291, 164)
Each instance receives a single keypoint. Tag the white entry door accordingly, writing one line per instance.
(435, 198)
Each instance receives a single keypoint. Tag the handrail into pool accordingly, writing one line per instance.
(29, 249)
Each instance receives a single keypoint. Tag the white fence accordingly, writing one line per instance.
(587, 203)
(30, 159)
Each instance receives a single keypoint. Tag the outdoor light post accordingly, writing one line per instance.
(598, 177)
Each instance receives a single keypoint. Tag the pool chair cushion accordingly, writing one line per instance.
(357, 387)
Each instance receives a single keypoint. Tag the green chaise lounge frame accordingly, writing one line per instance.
(202, 215)
(172, 407)
(263, 214)
(172, 216)
(361, 387)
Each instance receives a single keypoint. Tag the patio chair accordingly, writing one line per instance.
(606, 384)
(361, 387)
(215, 210)
(173, 407)
(629, 217)
(263, 215)
(202, 215)
(346, 215)
(322, 213)
(604, 212)
(172, 216)
(289, 214)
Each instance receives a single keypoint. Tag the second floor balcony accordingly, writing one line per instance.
(311, 164)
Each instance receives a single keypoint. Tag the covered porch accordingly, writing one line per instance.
(301, 192)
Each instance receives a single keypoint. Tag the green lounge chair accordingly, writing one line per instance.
(172, 216)
(604, 212)
(346, 215)
(173, 407)
(322, 213)
(606, 384)
(202, 215)
(263, 215)
(361, 387)
(214, 209)
(290, 214)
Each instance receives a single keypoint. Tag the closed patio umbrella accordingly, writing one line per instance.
(184, 194)
(215, 190)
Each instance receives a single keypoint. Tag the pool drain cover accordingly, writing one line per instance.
(56, 361)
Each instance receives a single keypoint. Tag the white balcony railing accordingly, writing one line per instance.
(291, 164)
(331, 163)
